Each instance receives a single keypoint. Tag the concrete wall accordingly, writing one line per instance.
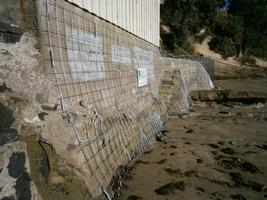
(181, 76)
(90, 89)
(207, 63)
(108, 82)
(88, 56)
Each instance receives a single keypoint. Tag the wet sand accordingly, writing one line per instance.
(218, 151)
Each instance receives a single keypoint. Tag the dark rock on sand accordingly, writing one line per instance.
(162, 161)
(228, 150)
(237, 179)
(214, 146)
(189, 131)
(173, 172)
(170, 188)
(134, 197)
(238, 197)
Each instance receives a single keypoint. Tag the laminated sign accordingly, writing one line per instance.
(141, 77)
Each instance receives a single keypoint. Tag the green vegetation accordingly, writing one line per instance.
(227, 35)
(185, 19)
(239, 30)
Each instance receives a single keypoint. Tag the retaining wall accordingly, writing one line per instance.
(94, 67)
(92, 92)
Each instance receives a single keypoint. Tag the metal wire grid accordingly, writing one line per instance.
(207, 63)
(174, 90)
(72, 89)
(125, 116)
(183, 75)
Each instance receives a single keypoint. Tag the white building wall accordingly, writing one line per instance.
(140, 17)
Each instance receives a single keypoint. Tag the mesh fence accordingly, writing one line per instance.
(94, 65)
(183, 75)
(115, 78)
(207, 63)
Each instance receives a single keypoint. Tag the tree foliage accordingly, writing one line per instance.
(254, 15)
(244, 27)
(240, 29)
(186, 18)
(227, 35)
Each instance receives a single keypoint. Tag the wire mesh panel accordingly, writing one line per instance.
(207, 63)
(108, 84)
(182, 76)
(94, 66)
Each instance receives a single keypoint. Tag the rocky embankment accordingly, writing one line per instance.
(30, 169)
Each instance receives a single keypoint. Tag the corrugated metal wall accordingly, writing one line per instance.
(140, 17)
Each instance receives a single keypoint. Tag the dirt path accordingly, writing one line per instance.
(219, 151)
